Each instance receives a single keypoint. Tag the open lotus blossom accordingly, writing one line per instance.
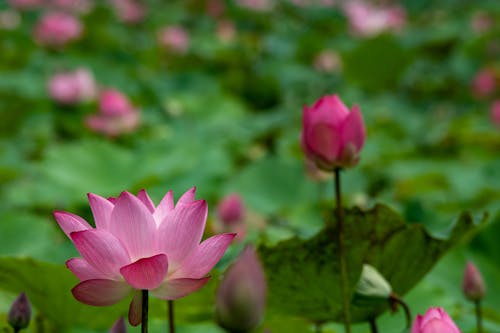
(434, 320)
(56, 29)
(332, 136)
(139, 246)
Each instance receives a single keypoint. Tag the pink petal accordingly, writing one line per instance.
(83, 270)
(134, 225)
(324, 140)
(181, 231)
(353, 129)
(101, 209)
(146, 273)
(100, 292)
(188, 196)
(204, 258)
(178, 288)
(144, 197)
(70, 222)
(416, 324)
(165, 206)
(135, 309)
(101, 250)
(329, 110)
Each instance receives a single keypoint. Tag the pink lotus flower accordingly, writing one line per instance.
(73, 87)
(473, 285)
(56, 29)
(139, 246)
(231, 209)
(434, 320)
(130, 11)
(484, 83)
(495, 112)
(367, 20)
(174, 38)
(241, 296)
(332, 136)
(116, 114)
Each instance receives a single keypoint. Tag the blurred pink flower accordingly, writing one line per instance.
(231, 209)
(26, 4)
(434, 320)
(256, 5)
(332, 136)
(241, 296)
(174, 38)
(226, 31)
(473, 285)
(72, 87)
(481, 22)
(484, 83)
(327, 61)
(116, 114)
(57, 29)
(216, 8)
(129, 11)
(495, 113)
(119, 326)
(367, 20)
(139, 246)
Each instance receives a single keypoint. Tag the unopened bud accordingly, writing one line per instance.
(473, 285)
(241, 296)
(20, 312)
(372, 284)
(119, 326)
(231, 209)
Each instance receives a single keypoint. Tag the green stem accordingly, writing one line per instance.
(145, 308)
(395, 300)
(479, 316)
(343, 265)
(373, 325)
(171, 325)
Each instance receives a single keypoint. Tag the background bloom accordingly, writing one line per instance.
(473, 285)
(72, 87)
(57, 29)
(434, 320)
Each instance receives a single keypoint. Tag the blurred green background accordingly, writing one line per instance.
(223, 112)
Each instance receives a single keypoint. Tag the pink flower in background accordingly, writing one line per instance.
(129, 11)
(216, 8)
(368, 20)
(473, 285)
(174, 38)
(72, 87)
(116, 114)
(26, 4)
(434, 320)
(495, 113)
(484, 83)
(119, 326)
(139, 246)
(231, 209)
(57, 29)
(256, 5)
(19, 315)
(327, 61)
(482, 22)
(241, 297)
(332, 136)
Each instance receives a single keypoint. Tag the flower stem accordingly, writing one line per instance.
(373, 325)
(479, 316)
(171, 325)
(394, 301)
(344, 279)
(145, 307)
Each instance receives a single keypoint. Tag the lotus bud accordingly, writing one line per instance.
(231, 209)
(241, 295)
(332, 136)
(372, 284)
(434, 320)
(473, 284)
(20, 313)
(119, 326)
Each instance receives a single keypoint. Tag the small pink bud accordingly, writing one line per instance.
(327, 61)
(114, 103)
(119, 326)
(484, 83)
(72, 87)
(57, 29)
(174, 38)
(367, 20)
(332, 136)
(231, 209)
(434, 320)
(241, 296)
(20, 312)
(495, 113)
(473, 285)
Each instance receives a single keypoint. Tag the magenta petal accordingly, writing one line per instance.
(144, 197)
(325, 141)
(328, 109)
(70, 222)
(102, 250)
(178, 288)
(83, 270)
(101, 209)
(135, 309)
(181, 231)
(188, 196)
(204, 258)
(165, 206)
(134, 225)
(100, 292)
(353, 129)
(146, 273)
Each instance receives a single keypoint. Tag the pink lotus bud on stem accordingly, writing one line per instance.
(231, 209)
(473, 285)
(241, 296)
(20, 313)
(434, 320)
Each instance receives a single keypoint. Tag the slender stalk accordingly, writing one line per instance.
(373, 325)
(171, 325)
(145, 308)
(395, 300)
(343, 265)
(479, 316)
